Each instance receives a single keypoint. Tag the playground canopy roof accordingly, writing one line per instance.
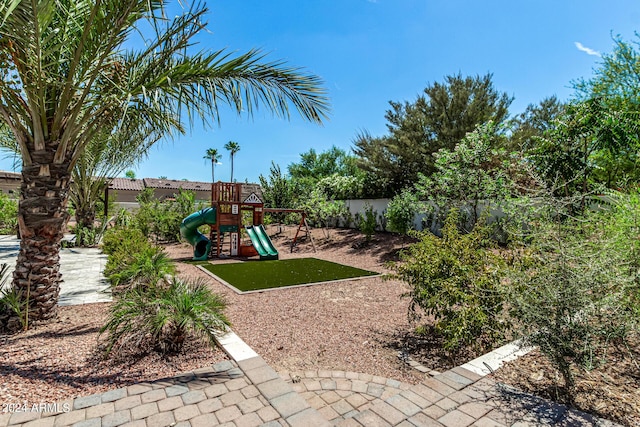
(248, 189)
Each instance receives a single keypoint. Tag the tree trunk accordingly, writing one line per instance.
(42, 216)
(85, 218)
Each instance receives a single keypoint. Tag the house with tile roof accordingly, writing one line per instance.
(127, 189)
(10, 183)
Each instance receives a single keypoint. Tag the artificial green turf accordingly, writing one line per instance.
(257, 275)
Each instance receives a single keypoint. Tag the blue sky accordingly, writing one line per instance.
(369, 52)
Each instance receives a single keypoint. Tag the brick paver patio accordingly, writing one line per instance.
(250, 393)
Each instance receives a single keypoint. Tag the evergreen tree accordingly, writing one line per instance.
(438, 118)
(534, 122)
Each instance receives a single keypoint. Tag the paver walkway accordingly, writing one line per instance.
(81, 271)
(245, 391)
(248, 393)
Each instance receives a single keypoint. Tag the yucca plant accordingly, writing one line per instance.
(163, 317)
(11, 305)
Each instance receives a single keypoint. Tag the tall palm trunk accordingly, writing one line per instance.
(232, 168)
(42, 215)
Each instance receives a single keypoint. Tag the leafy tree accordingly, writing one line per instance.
(278, 190)
(314, 166)
(233, 147)
(439, 118)
(533, 123)
(334, 171)
(471, 174)
(612, 96)
(214, 156)
(592, 144)
(69, 73)
(130, 174)
(618, 76)
(341, 187)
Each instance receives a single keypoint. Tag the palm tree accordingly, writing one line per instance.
(233, 147)
(107, 155)
(214, 156)
(69, 72)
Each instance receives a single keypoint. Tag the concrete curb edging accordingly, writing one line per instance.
(482, 365)
(292, 407)
(487, 363)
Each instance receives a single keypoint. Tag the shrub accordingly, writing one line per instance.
(120, 243)
(161, 220)
(11, 305)
(368, 223)
(163, 317)
(8, 215)
(143, 268)
(124, 239)
(572, 288)
(455, 280)
(321, 211)
(401, 211)
(123, 218)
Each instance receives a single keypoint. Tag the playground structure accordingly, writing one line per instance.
(234, 207)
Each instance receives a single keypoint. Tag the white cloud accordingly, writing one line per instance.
(587, 50)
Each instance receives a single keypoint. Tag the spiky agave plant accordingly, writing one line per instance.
(164, 317)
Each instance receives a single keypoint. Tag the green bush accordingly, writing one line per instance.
(401, 211)
(8, 214)
(322, 212)
(143, 268)
(161, 220)
(120, 243)
(455, 279)
(163, 317)
(123, 239)
(574, 284)
(11, 305)
(368, 223)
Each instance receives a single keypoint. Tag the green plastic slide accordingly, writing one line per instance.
(189, 230)
(261, 242)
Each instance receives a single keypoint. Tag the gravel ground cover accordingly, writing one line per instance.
(61, 360)
(347, 325)
(357, 325)
(610, 390)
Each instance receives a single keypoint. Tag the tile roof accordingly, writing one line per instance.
(10, 175)
(132, 184)
(175, 184)
(126, 184)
